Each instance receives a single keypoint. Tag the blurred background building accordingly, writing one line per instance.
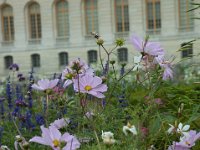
(47, 34)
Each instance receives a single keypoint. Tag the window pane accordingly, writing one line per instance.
(62, 18)
(185, 20)
(153, 15)
(91, 16)
(122, 55)
(187, 50)
(35, 59)
(8, 61)
(7, 23)
(35, 21)
(122, 15)
(92, 56)
(63, 58)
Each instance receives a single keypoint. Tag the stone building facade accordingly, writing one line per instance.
(47, 34)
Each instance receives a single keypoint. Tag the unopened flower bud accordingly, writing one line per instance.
(100, 41)
(104, 79)
(69, 76)
(18, 138)
(182, 106)
(25, 145)
(112, 62)
(120, 42)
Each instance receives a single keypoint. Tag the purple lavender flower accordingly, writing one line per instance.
(186, 142)
(39, 119)
(91, 85)
(2, 99)
(14, 67)
(145, 47)
(9, 93)
(45, 84)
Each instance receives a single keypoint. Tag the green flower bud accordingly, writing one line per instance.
(112, 62)
(120, 42)
(25, 145)
(100, 41)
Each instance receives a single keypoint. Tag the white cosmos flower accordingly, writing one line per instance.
(4, 147)
(108, 138)
(180, 129)
(129, 128)
(183, 129)
(137, 60)
(171, 129)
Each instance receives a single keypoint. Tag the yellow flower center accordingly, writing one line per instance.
(129, 125)
(187, 143)
(56, 143)
(88, 88)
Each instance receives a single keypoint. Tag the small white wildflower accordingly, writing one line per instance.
(129, 128)
(108, 138)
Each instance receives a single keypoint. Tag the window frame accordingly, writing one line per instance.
(92, 8)
(123, 51)
(122, 15)
(66, 29)
(10, 26)
(188, 26)
(38, 35)
(155, 30)
(60, 59)
(6, 66)
(91, 59)
(187, 50)
(33, 62)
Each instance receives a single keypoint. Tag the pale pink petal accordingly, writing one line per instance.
(55, 132)
(96, 81)
(137, 42)
(43, 83)
(46, 134)
(36, 87)
(67, 83)
(53, 83)
(72, 142)
(100, 88)
(40, 140)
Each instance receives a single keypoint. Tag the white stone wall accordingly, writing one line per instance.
(78, 44)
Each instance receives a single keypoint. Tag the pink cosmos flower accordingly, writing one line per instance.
(45, 84)
(150, 48)
(67, 75)
(80, 67)
(76, 66)
(166, 65)
(186, 142)
(52, 137)
(60, 123)
(91, 85)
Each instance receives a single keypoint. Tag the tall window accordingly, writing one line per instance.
(92, 56)
(185, 18)
(35, 60)
(187, 50)
(7, 23)
(62, 18)
(121, 15)
(34, 21)
(122, 55)
(8, 61)
(153, 16)
(91, 16)
(63, 58)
